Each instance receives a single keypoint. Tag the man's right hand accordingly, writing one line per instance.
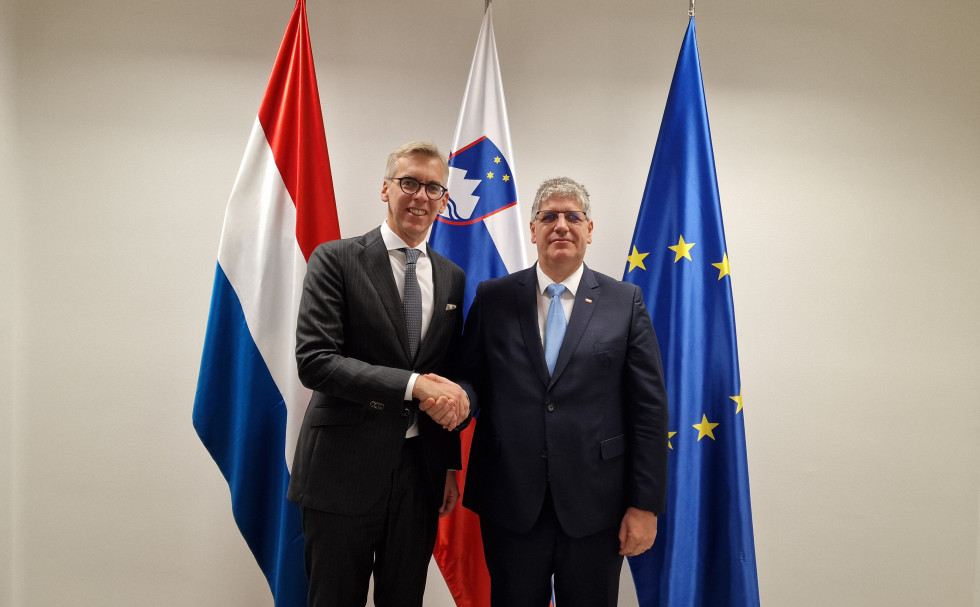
(442, 400)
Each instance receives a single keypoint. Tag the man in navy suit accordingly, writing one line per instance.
(373, 469)
(568, 465)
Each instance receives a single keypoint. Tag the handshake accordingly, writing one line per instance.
(442, 400)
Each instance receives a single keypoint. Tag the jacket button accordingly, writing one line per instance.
(551, 407)
(406, 412)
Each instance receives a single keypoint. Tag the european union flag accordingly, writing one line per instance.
(704, 554)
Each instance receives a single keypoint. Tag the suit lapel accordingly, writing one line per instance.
(441, 283)
(588, 288)
(526, 309)
(377, 265)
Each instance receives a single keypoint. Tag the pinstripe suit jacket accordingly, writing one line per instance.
(352, 351)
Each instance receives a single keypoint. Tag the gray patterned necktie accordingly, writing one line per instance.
(412, 302)
(412, 308)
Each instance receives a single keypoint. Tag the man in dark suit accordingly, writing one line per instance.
(373, 471)
(568, 465)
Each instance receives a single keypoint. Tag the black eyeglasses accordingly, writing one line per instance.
(572, 217)
(411, 185)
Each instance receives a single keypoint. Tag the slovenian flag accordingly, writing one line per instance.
(250, 403)
(480, 231)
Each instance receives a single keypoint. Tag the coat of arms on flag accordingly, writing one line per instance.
(481, 183)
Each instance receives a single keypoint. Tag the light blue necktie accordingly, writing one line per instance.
(554, 330)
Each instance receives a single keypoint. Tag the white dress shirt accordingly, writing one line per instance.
(567, 298)
(423, 272)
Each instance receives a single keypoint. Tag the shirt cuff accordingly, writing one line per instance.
(411, 386)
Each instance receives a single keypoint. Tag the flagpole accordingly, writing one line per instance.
(690, 11)
(486, 5)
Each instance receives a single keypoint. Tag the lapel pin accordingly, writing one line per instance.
(450, 306)
(587, 300)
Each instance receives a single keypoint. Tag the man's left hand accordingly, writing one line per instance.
(450, 494)
(637, 532)
(442, 411)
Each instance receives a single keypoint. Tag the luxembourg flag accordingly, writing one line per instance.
(250, 403)
(481, 232)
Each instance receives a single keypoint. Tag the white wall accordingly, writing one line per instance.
(847, 139)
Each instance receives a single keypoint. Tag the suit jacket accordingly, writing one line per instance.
(352, 351)
(596, 430)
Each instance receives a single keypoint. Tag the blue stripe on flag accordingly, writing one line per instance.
(240, 417)
(471, 247)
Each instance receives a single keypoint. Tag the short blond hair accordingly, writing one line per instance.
(422, 148)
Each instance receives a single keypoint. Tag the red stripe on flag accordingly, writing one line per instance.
(293, 123)
(459, 546)
(463, 149)
(478, 219)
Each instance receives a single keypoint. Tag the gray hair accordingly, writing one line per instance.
(422, 148)
(562, 187)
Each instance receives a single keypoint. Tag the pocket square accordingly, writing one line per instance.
(450, 306)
